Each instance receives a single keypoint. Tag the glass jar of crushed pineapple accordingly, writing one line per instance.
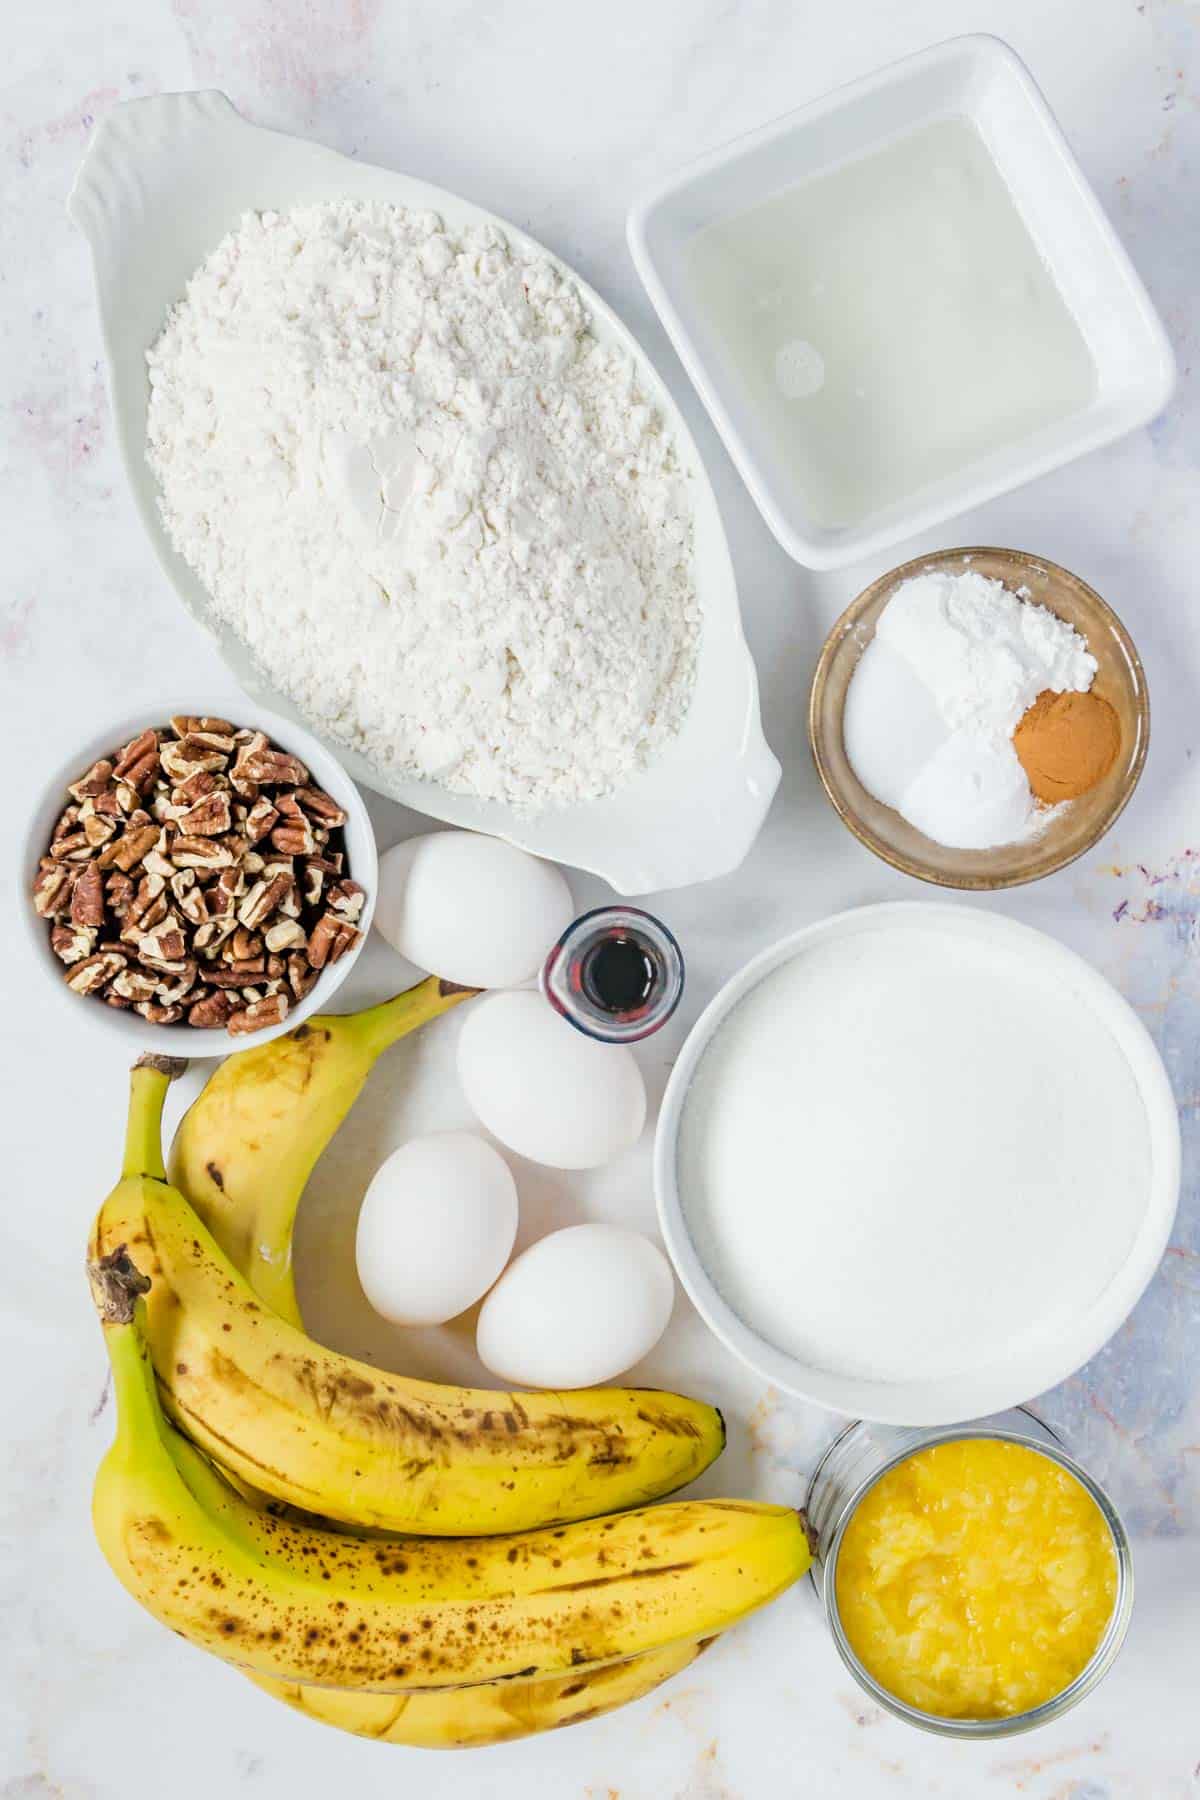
(976, 1580)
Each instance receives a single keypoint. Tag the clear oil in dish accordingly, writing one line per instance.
(891, 320)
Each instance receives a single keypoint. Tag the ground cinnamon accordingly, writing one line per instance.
(1066, 744)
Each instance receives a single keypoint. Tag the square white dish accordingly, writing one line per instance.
(979, 79)
(163, 181)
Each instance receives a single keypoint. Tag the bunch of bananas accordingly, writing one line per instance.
(258, 1486)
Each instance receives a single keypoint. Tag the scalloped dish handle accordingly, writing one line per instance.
(140, 157)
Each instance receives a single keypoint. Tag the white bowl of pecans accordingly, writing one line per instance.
(198, 883)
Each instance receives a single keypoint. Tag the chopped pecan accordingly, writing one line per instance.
(191, 904)
(135, 984)
(94, 782)
(97, 829)
(290, 906)
(137, 764)
(73, 848)
(235, 975)
(127, 851)
(272, 1010)
(193, 755)
(259, 820)
(209, 817)
(300, 974)
(180, 986)
(135, 929)
(71, 943)
(322, 806)
(51, 888)
(132, 753)
(286, 934)
(229, 898)
(119, 890)
(95, 972)
(165, 946)
(209, 1010)
(159, 1015)
(210, 936)
(329, 940)
(186, 793)
(263, 899)
(156, 863)
(312, 882)
(187, 725)
(144, 908)
(294, 838)
(201, 853)
(87, 901)
(257, 763)
(229, 887)
(346, 898)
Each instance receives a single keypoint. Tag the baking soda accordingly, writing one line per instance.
(930, 712)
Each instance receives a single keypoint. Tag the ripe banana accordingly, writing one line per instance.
(245, 1179)
(495, 1712)
(343, 1439)
(247, 1146)
(327, 1608)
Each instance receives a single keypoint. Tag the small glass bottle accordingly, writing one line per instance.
(616, 974)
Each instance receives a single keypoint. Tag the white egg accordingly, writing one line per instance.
(577, 1308)
(436, 1227)
(543, 1088)
(471, 909)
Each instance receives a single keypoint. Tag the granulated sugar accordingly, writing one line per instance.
(908, 1154)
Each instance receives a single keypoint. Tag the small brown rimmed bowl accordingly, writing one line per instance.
(1076, 826)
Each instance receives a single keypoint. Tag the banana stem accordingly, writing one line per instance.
(116, 1284)
(383, 1024)
(149, 1080)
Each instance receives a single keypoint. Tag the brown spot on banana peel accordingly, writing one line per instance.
(599, 1581)
(420, 1438)
(214, 1175)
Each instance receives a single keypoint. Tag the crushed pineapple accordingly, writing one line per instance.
(976, 1579)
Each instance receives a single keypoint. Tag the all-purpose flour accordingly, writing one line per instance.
(908, 1154)
(446, 521)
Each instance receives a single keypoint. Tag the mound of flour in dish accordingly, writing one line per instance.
(443, 517)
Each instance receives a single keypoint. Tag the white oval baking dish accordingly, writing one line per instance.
(163, 180)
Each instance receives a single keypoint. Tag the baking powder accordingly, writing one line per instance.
(931, 708)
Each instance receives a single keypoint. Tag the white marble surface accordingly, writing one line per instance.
(555, 115)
